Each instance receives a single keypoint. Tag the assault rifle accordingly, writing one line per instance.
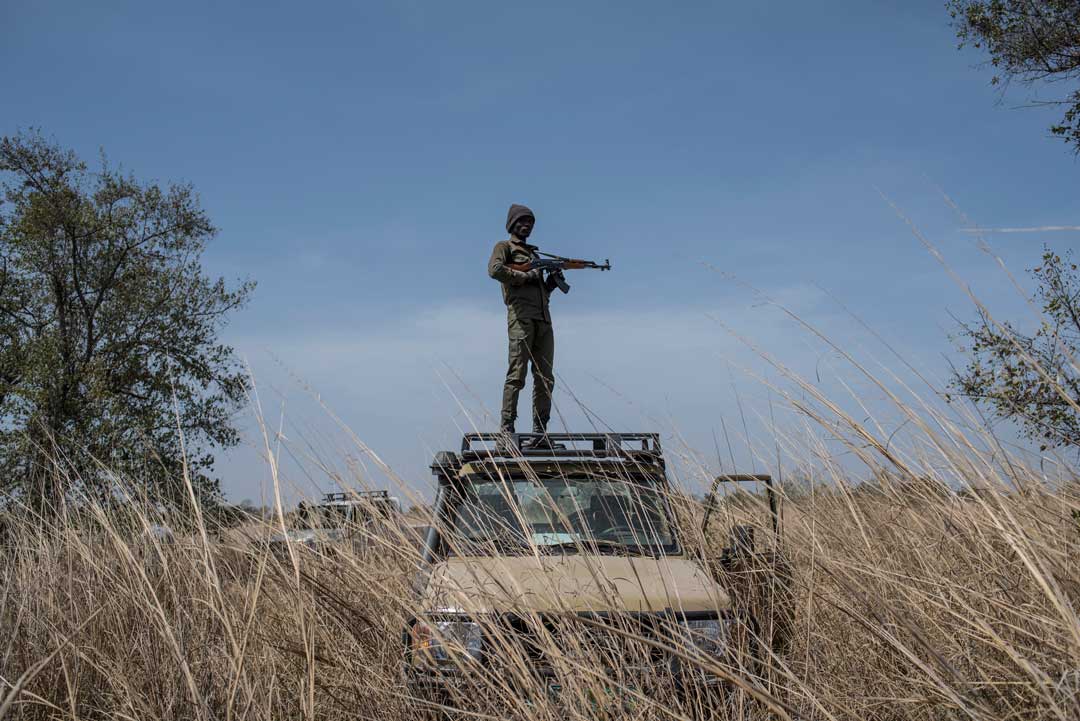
(556, 264)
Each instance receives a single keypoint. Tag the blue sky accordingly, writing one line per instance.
(359, 158)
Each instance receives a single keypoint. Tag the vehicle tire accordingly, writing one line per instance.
(704, 702)
(429, 704)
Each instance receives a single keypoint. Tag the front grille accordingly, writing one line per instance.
(550, 644)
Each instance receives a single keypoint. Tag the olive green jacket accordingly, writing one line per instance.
(525, 294)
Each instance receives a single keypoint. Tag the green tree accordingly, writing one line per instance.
(1032, 379)
(1033, 41)
(110, 361)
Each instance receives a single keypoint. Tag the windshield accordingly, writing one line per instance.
(561, 514)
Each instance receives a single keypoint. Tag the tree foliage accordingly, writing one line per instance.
(1031, 41)
(110, 361)
(1032, 379)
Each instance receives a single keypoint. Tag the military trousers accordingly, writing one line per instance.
(531, 342)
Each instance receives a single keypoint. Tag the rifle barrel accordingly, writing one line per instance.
(588, 263)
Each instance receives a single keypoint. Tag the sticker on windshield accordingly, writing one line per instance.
(553, 539)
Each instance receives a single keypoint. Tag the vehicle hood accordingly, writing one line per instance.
(570, 583)
(320, 535)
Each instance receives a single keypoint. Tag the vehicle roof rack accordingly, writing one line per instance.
(485, 446)
(337, 497)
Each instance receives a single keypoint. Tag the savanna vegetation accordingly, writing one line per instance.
(935, 575)
(1033, 42)
(110, 357)
(912, 601)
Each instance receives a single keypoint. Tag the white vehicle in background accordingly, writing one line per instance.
(356, 518)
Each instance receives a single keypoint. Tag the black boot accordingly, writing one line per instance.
(543, 443)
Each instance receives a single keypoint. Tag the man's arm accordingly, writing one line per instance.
(500, 270)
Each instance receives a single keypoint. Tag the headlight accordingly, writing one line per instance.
(709, 635)
(446, 641)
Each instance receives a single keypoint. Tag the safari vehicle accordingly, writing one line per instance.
(340, 518)
(543, 565)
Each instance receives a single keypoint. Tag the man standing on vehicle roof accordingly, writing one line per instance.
(528, 320)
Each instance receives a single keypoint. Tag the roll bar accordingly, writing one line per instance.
(770, 492)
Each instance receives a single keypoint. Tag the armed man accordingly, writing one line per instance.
(527, 283)
(528, 320)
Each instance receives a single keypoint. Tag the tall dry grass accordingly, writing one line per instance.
(912, 602)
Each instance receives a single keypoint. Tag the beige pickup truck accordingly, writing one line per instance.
(546, 569)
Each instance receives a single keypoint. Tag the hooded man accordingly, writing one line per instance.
(528, 320)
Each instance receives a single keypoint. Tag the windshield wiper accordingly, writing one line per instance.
(510, 543)
(621, 549)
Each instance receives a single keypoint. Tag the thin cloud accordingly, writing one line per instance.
(1039, 229)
